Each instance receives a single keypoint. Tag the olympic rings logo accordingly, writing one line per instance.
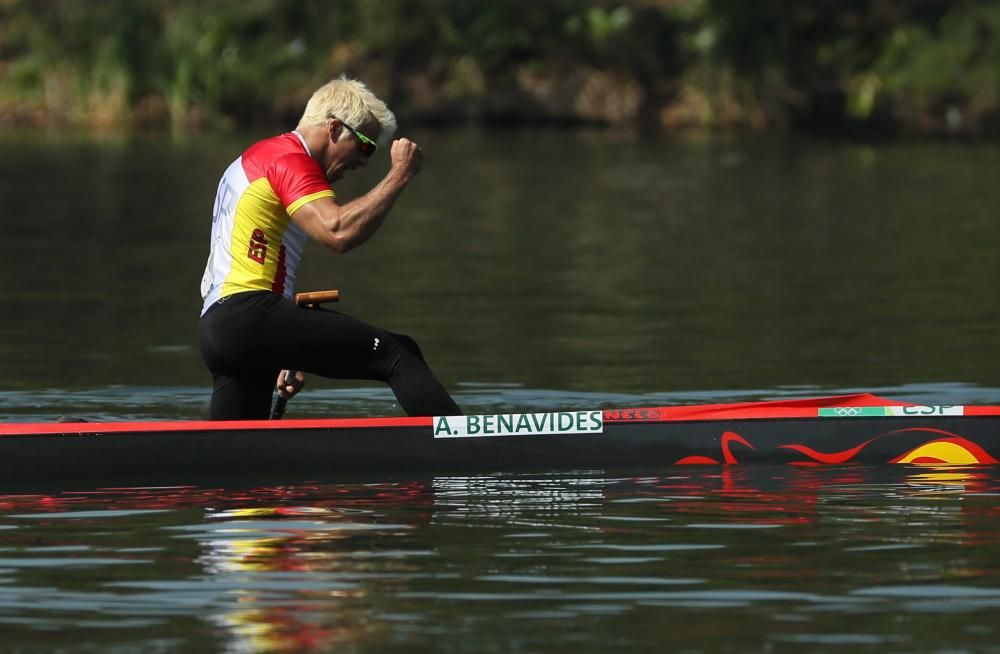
(848, 410)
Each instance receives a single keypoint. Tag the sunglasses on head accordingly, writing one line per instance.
(367, 145)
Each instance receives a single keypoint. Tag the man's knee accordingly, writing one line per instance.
(409, 345)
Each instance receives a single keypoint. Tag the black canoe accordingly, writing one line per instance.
(833, 430)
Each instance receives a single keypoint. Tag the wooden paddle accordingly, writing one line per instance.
(310, 300)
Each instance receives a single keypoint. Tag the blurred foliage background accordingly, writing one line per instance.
(878, 67)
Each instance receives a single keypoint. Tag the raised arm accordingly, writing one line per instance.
(344, 227)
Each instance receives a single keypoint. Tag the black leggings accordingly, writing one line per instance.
(247, 338)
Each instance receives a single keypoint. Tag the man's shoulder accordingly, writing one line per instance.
(284, 150)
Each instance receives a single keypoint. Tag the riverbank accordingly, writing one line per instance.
(889, 67)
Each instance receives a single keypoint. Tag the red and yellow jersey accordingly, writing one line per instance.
(255, 245)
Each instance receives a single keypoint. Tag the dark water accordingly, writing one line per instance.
(576, 267)
(538, 270)
(747, 559)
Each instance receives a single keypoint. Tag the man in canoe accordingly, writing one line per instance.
(270, 201)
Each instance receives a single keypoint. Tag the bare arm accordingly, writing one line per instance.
(344, 227)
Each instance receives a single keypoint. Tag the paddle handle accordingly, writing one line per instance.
(282, 402)
(315, 298)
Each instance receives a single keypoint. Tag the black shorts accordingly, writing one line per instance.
(247, 338)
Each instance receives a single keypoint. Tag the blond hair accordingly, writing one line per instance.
(350, 101)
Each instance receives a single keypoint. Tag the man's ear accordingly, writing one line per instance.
(336, 129)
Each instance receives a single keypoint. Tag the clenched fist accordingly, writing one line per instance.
(407, 157)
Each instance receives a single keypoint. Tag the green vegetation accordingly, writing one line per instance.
(916, 66)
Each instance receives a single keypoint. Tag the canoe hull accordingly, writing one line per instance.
(249, 449)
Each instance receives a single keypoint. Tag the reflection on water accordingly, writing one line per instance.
(517, 501)
(889, 557)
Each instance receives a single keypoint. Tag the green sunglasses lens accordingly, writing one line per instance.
(367, 145)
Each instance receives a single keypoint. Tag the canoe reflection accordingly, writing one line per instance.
(327, 564)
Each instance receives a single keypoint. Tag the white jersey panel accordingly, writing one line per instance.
(220, 259)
